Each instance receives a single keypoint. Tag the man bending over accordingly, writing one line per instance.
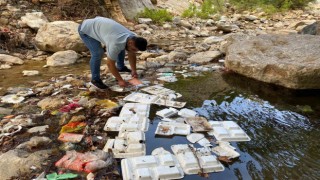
(117, 39)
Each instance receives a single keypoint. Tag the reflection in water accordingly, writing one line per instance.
(284, 144)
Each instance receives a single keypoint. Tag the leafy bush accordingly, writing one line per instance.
(207, 8)
(157, 15)
(270, 5)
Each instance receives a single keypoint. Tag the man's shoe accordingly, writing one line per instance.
(125, 69)
(99, 84)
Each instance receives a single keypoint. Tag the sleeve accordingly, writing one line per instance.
(113, 52)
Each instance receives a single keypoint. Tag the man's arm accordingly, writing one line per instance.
(113, 69)
(133, 61)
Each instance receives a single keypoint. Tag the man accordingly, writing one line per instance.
(117, 39)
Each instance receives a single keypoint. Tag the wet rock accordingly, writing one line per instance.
(30, 73)
(62, 58)
(34, 20)
(205, 57)
(10, 59)
(16, 162)
(38, 129)
(35, 142)
(51, 103)
(59, 36)
(292, 61)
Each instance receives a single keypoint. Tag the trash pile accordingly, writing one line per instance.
(130, 144)
(91, 131)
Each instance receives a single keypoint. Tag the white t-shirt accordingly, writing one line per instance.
(110, 33)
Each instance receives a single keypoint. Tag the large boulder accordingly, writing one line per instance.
(292, 61)
(34, 20)
(62, 58)
(131, 8)
(59, 36)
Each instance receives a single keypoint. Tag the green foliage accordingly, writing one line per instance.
(207, 8)
(190, 12)
(270, 6)
(157, 15)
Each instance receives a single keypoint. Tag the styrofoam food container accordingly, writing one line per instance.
(191, 162)
(157, 167)
(227, 131)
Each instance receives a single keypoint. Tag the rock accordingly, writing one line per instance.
(35, 142)
(16, 162)
(204, 57)
(51, 103)
(250, 18)
(292, 61)
(144, 20)
(34, 20)
(5, 111)
(5, 66)
(185, 24)
(30, 73)
(3, 2)
(176, 20)
(145, 33)
(10, 59)
(146, 55)
(161, 59)
(141, 26)
(313, 29)
(165, 70)
(62, 58)
(4, 21)
(166, 26)
(177, 56)
(38, 129)
(227, 28)
(213, 39)
(131, 8)
(59, 36)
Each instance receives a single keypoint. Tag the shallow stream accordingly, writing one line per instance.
(284, 125)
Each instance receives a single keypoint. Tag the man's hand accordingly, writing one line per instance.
(122, 83)
(134, 74)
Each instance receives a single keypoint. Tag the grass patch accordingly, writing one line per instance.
(207, 8)
(158, 16)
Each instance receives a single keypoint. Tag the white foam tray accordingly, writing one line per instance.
(225, 149)
(227, 131)
(150, 167)
(130, 144)
(126, 124)
(158, 90)
(171, 128)
(199, 138)
(130, 109)
(168, 112)
(187, 113)
(152, 99)
(199, 124)
(192, 163)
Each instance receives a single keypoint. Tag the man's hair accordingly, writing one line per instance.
(140, 43)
